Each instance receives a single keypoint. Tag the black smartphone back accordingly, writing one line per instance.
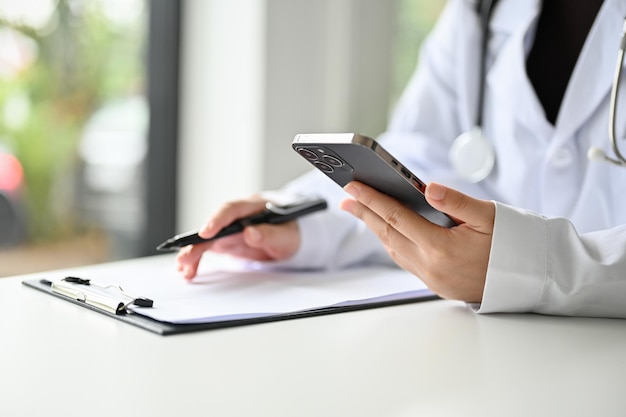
(346, 157)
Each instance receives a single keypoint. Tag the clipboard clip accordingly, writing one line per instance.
(99, 296)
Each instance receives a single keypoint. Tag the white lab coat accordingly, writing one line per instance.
(571, 259)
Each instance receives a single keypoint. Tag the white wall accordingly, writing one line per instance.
(257, 72)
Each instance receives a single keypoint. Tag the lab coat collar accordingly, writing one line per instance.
(508, 15)
(515, 20)
(592, 77)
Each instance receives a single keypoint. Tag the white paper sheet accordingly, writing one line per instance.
(229, 290)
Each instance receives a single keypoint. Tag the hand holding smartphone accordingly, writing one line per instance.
(346, 157)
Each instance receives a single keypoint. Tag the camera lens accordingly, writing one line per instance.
(331, 160)
(323, 167)
(310, 155)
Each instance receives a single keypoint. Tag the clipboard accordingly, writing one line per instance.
(222, 282)
(165, 328)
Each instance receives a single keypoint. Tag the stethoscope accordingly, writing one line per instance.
(471, 154)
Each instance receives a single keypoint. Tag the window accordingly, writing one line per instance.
(89, 110)
(77, 109)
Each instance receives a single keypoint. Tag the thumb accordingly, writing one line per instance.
(478, 214)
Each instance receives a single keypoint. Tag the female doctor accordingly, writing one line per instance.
(542, 227)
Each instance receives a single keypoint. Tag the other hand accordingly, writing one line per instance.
(451, 261)
(262, 242)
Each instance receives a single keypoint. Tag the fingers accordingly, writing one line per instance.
(478, 214)
(274, 241)
(259, 243)
(387, 227)
(387, 217)
(188, 259)
(230, 212)
(398, 228)
(451, 261)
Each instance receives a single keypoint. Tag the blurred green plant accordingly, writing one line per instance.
(415, 18)
(80, 59)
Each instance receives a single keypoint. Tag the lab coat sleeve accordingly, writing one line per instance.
(543, 265)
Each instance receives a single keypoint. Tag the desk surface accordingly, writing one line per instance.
(435, 358)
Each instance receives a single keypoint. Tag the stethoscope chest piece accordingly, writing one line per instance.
(472, 156)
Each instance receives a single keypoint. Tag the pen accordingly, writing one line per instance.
(273, 214)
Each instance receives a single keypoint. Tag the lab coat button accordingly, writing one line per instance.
(563, 158)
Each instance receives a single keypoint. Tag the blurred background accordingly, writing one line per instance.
(123, 122)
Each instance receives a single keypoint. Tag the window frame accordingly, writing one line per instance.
(163, 69)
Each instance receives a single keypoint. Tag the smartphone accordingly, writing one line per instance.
(346, 157)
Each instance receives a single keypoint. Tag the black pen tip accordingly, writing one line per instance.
(166, 247)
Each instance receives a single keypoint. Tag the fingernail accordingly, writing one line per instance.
(187, 273)
(347, 205)
(352, 190)
(435, 191)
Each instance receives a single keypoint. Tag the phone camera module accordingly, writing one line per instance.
(331, 160)
(324, 167)
(310, 155)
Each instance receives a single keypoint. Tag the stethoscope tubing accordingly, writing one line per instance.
(613, 104)
(485, 16)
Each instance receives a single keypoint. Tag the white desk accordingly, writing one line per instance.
(435, 358)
